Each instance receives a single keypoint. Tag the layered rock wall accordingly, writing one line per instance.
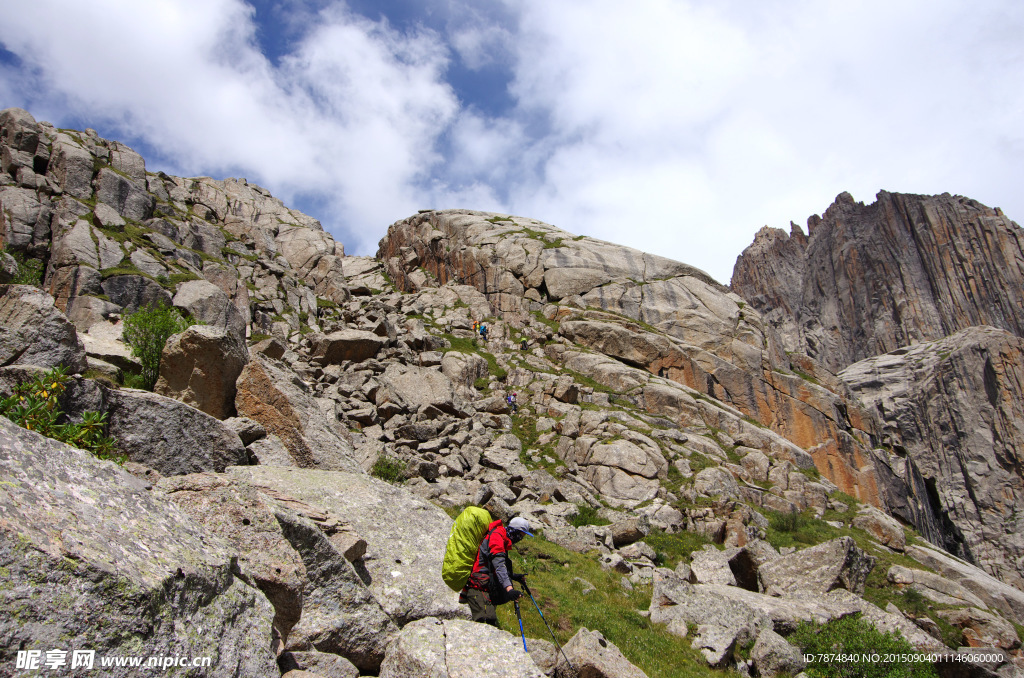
(868, 279)
(956, 408)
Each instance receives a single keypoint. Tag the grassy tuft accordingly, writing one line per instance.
(609, 609)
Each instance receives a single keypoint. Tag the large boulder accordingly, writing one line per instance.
(835, 564)
(92, 560)
(244, 518)
(271, 394)
(623, 472)
(320, 602)
(342, 345)
(412, 388)
(168, 435)
(34, 332)
(435, 648)
(200, 367)
(675, 601)
(129, 198)
(208, 303)
(773, 656)
(132, 292)
(589, 654)
(405, 535)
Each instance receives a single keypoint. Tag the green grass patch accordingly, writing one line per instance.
(852, 635)
(388, 468)
(587, 515)
(806, 377)
(30, 270)
(798, 530)
(673, 549)
(609, 609)
(467, 345)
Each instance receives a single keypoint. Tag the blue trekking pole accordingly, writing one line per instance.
(527, 589)
(515, 603)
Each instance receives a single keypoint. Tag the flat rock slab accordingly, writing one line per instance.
(169, 435)
(273, 395)
(838, 563)
(337, 347)
(91, 559)
(434, 648)
(405, 535)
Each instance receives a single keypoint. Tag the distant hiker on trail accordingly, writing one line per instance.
(476, 327)
(490, 583)
(511, 399)
(483, 331)
(522, 344)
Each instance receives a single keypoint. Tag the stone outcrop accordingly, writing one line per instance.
(661, 316)
(276, 398)
(954, 413)
(34, 332)
(168, 435)
(405, 535)
(92, 560)
(436, 648)
(868, 279)
(588, 653)
(200, 367)
(835, 564)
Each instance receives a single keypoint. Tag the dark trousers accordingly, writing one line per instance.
(481, 608)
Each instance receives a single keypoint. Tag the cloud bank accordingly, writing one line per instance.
(678, 127)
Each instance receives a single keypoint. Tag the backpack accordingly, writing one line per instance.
(463, 542)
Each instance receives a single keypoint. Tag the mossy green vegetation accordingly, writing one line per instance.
(389, 469)
(36, 405)
(146, 331)
(854, 636)
(30, 270)
(615, 612)
(672, 549)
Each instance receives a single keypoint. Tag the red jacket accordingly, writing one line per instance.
(492, 567)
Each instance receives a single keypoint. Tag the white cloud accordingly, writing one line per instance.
(703, 122)
(351, 114)
(676, 126)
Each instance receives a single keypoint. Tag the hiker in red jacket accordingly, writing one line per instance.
(490, 583)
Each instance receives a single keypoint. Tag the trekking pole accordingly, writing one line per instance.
(527, 589)
(515, 603)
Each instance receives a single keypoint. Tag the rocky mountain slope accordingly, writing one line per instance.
(658, 412)
(924, 280)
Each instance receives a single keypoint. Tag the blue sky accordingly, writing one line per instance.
(679, 127)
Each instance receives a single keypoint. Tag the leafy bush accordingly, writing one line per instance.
(146, 331)
(854, 636)
(30, 271)
(35, 405)
(388, 468)
(587, 515)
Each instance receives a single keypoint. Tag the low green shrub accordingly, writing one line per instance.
(35, 405)
(388, 468)
(30, 271)
(587, 515)
(146, 331)
(855, 637)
